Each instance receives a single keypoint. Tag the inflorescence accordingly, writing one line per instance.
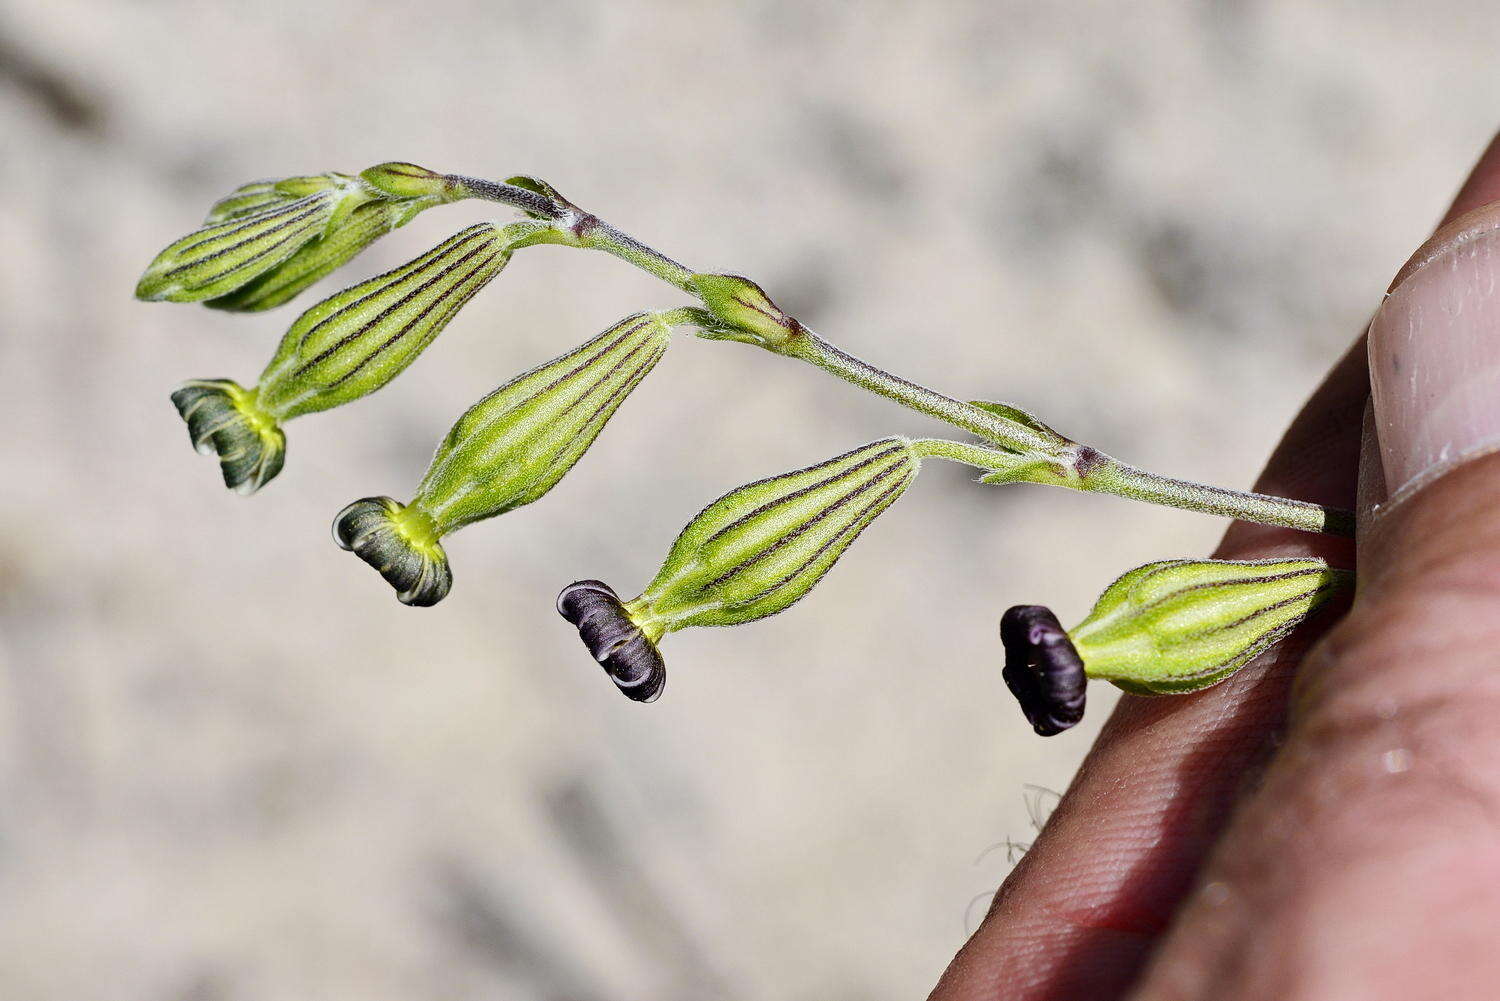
(1172, 626)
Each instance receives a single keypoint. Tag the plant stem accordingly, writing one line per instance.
(1114, 477)
(1024, 452)
(1106, 475)
(602, 236)
(510, 194)
(811, 348)
(582, 229)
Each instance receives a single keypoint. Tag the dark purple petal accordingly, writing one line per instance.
(1042, 669)
(368, 529)
(616, 642)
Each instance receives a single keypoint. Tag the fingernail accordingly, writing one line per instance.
(1435, 355)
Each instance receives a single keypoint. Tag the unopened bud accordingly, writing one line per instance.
(407, 180)
(506, 451)
(247, 199)
(317, 258)
(354, 342)
(747, 313)
(760, 548)
(1164, 628)
(311, 184)
(223, 256)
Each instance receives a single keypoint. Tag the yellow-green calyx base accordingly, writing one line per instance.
(1180, 625)
(640, 612)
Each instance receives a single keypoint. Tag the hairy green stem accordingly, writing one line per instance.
(1099, 473)
(509, 194)
(602, 236)
(811, 348)
(580, 229)
(1114, 477)
(1024, 452)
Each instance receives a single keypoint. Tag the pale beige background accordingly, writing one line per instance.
(232, 767)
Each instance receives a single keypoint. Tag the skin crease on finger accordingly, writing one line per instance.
(1084, 911)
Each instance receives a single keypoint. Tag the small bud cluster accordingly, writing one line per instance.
(265, 242)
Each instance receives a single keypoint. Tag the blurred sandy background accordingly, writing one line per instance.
(233, 768)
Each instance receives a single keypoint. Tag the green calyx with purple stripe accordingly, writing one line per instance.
(1165, 628)
(354, 342)
(760, 548)
(504, 452)
(1181, 625)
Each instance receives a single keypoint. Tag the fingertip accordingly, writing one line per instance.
(1434, 357)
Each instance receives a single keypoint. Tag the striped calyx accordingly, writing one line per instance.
(226, 255)
(1164, 628)
(514, 445)
(614, 639)
(248, 199)
(1182, 625)
(268, 240)
(345, 237)
(759, 549)
(354, 342)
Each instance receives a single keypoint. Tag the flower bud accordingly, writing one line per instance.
(344, 239)
(746, 311)
(227, 254)
(407, 180)
(311, 184)
(506, 451)
(1163, 628)
(750, 554)
(247, 199)
(268, 240)
(355, 341)
(256, 196)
